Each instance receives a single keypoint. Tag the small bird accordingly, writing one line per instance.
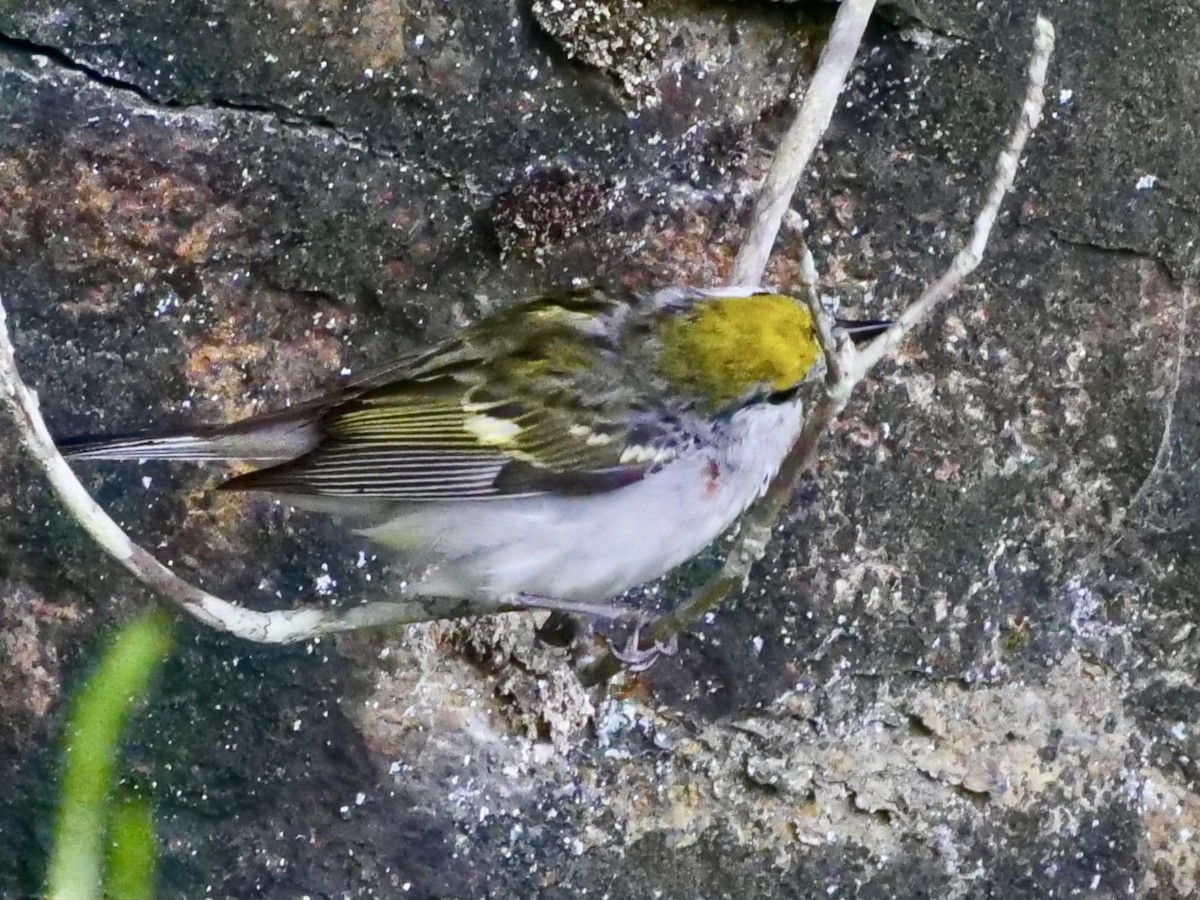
(556, 454)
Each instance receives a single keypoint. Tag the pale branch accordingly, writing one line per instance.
(797, 146)
(273, 627)
(846, 368)
(830, 344)
(968, 259)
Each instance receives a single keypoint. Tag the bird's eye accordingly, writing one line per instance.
(783, 396)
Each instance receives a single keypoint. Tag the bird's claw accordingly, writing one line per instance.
(637, 659)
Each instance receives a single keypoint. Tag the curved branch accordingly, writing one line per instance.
(801, 139)
(846, 368)
(273, 627)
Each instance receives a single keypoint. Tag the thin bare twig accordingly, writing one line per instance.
(853, 366)
(274, 627)
(834, 359)
(801, 140)
(967, 259)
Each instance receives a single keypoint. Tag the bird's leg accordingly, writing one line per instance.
(638, 660)
(596, 610)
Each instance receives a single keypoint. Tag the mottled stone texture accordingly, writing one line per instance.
(967, 666)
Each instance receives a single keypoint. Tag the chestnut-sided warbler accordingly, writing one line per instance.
(569, 447)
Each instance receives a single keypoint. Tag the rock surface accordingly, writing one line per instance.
(967, 666)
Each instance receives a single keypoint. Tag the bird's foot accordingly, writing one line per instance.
(639, 659)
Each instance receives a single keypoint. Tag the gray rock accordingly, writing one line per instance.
(966, 666)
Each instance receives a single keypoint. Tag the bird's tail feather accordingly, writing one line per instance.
(267, 439)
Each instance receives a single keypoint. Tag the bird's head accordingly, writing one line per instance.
(724, 348)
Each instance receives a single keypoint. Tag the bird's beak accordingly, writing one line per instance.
(864, 330)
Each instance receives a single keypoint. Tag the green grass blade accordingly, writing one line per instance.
(131, 851)
(91, 745)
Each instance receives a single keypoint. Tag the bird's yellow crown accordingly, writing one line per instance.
(724, 347)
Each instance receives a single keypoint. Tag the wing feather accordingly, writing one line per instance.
(488, 415)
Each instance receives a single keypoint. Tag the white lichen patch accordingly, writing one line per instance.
(619, 37)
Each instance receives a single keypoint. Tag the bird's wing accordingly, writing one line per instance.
(496, 412)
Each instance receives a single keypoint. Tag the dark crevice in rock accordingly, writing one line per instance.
(1110, 249)
(1173, 270)
(26, 50)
